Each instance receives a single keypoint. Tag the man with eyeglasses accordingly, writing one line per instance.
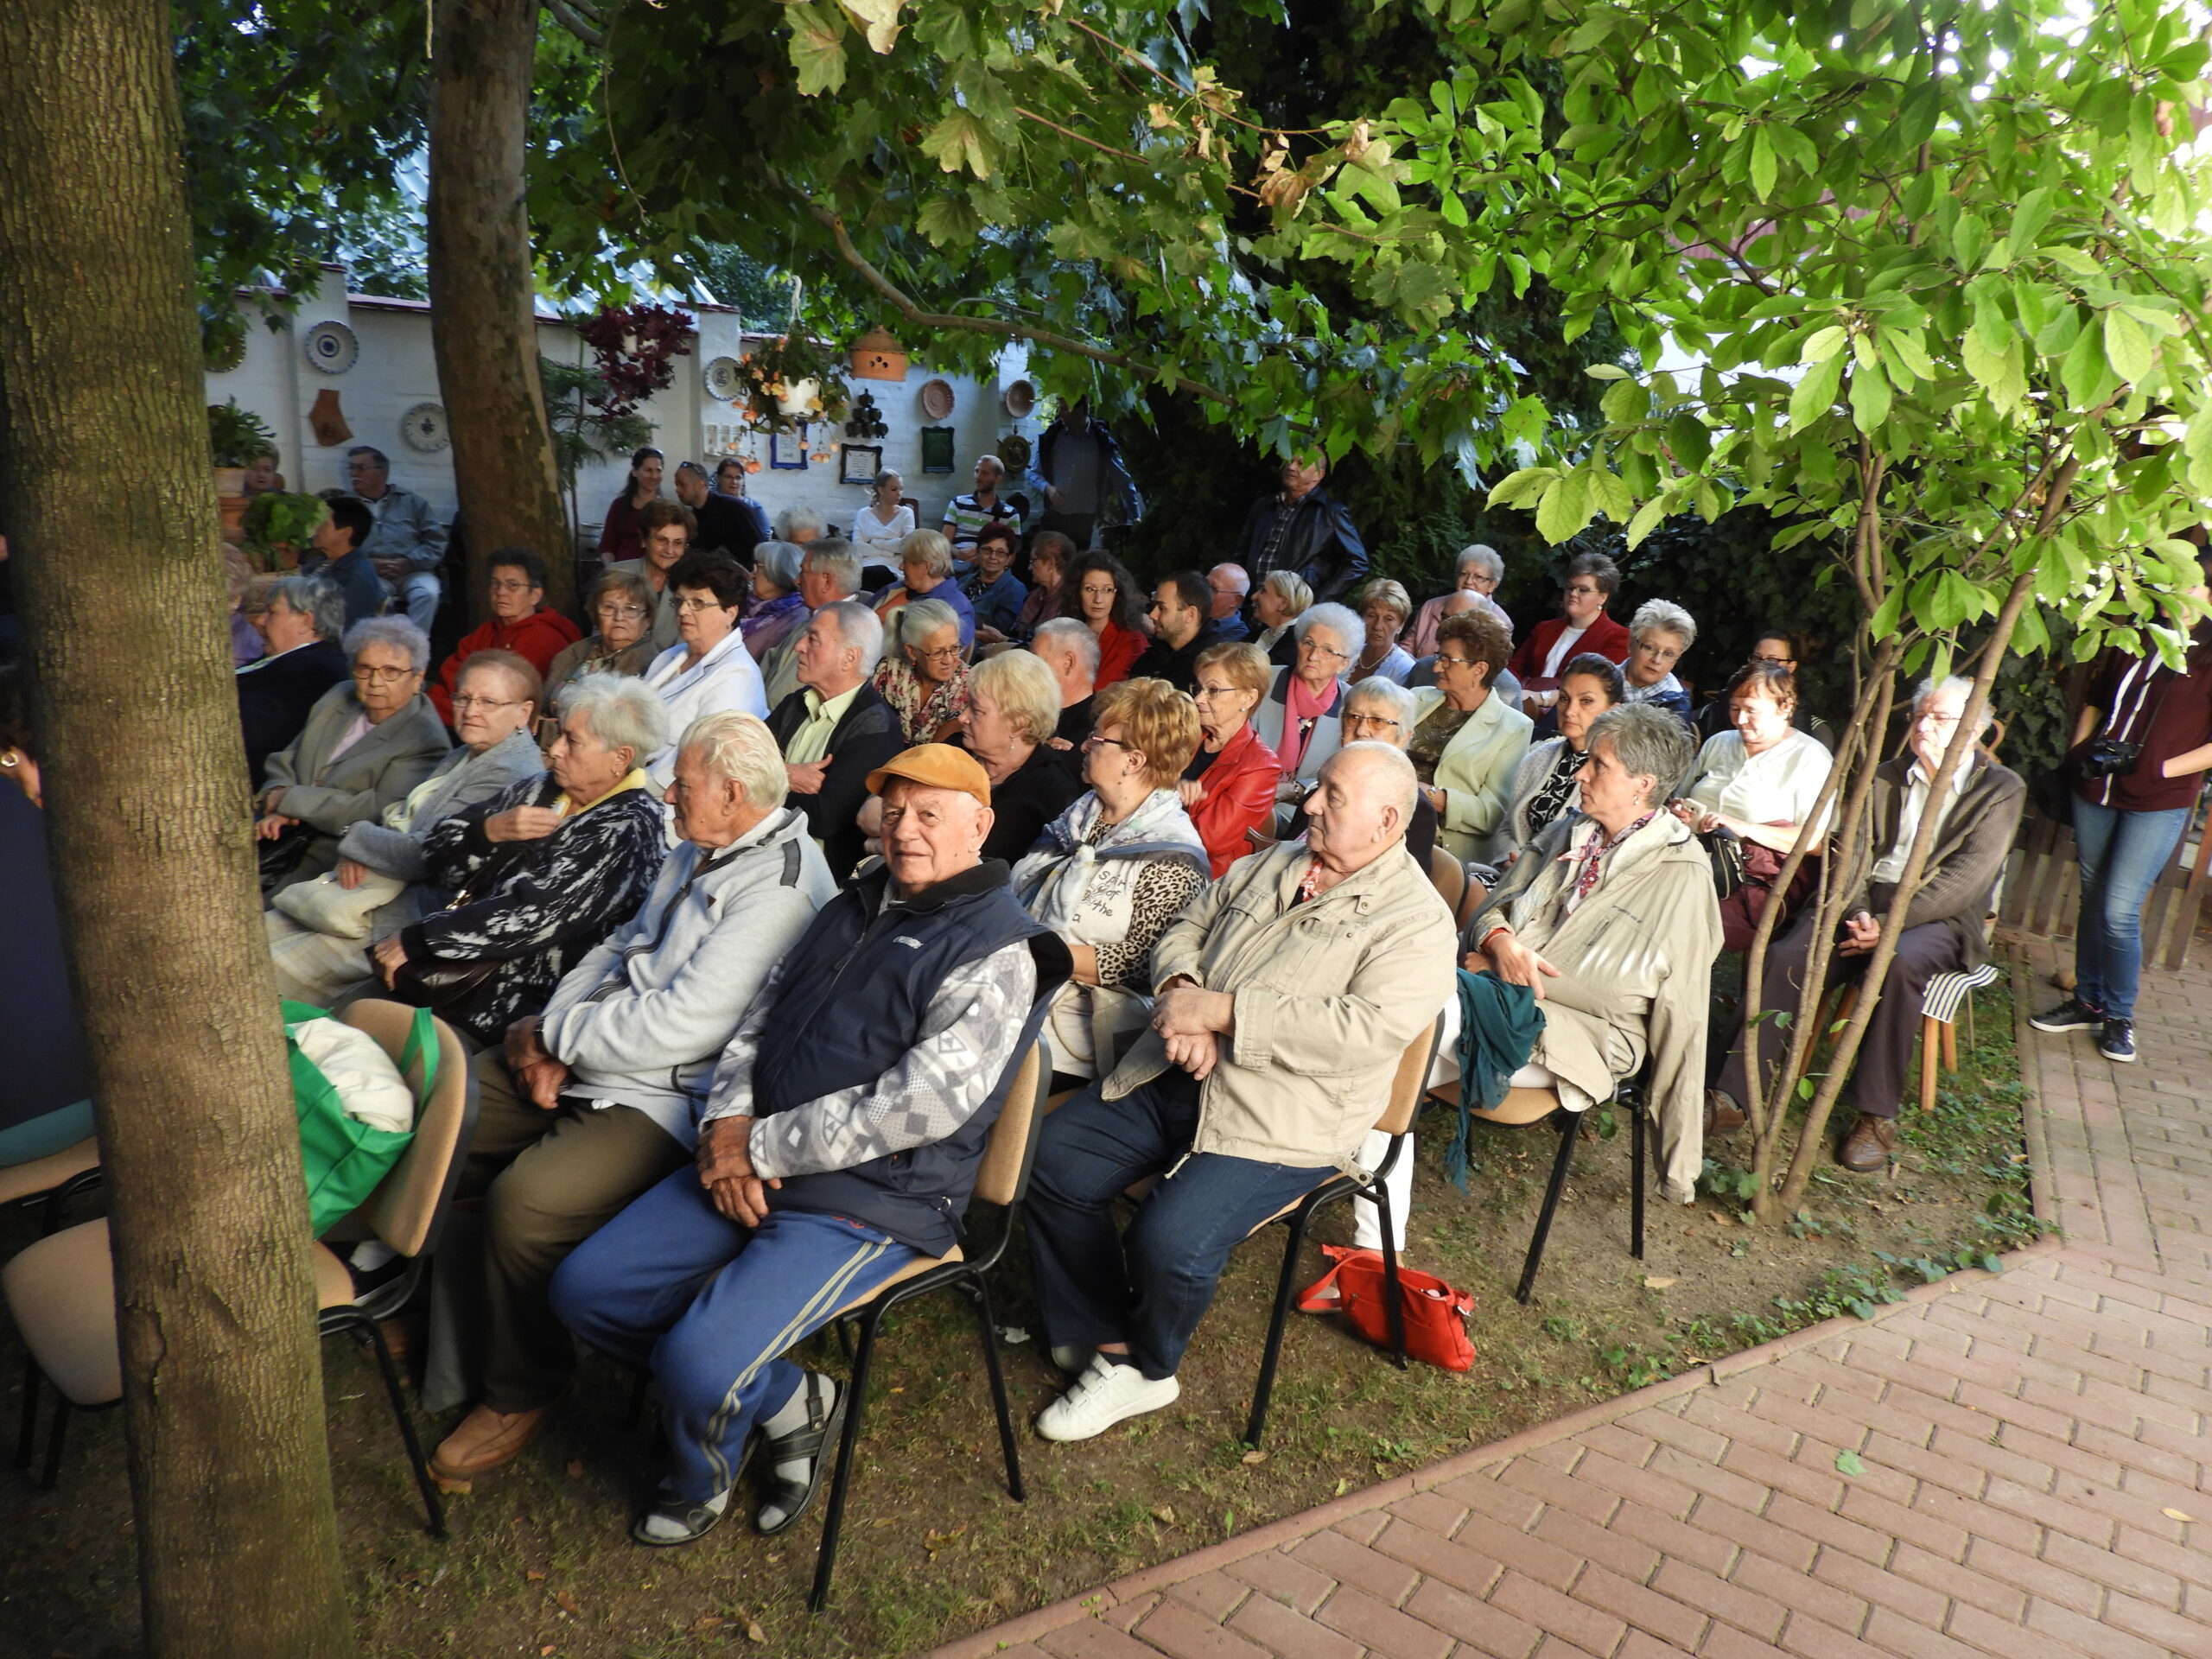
(1306, 529)
(1181, 629)
(518, 623)
(408, 543)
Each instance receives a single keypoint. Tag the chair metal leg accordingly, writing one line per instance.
(1567, 1128)
(431, 1505)
(26, 1436)
(1394, 1308)
(53, 1442)
(50, 1206)
(1637, 1132)
(833, 1522)
(1286, 1287)
(987, 1328)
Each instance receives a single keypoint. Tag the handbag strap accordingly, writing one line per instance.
(421, 1034)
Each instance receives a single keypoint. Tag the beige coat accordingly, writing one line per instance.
(1636, 972)
(1329, 994)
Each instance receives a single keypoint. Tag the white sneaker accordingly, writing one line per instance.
(1103, 1396)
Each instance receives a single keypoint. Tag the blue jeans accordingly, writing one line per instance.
(1150, 1286)
(712, 1306)
(2121, 854)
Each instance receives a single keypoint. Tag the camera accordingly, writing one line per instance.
(2109, 757)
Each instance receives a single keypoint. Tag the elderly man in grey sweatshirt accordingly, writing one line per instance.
(594, 1101)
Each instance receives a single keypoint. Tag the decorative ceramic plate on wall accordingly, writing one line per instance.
(937, 399)
(331, 346)
(423, 428)
(722, 379)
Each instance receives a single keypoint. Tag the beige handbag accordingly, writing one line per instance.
(324, 907)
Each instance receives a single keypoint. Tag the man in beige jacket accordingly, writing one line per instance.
(1286, 994)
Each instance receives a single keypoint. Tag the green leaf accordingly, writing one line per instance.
(1998, 373)
(1565, 508)
(1646, 521)
(2127, 346)
(1905, 345)
(1605, 372)
(2030, 216)
(1848, 1463)
(948, 221)
(1885, 620)
(1815, 394)
(1518, 488)
(1822, 344)
(1969, 241)
(1870, 397)
(2084, 371)
(1763, 166)
(818, 49)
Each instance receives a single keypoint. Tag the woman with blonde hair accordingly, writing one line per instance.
(1280, 600)
(1385, 608)
(1229, 787)
(1111, 872)
(1013, 709)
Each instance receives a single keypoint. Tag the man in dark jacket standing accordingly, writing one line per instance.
(1943, 926)
(1077, 473)
(836, 729)
(832, 1152)
(1306, 529)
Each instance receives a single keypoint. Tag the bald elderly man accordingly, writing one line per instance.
(831, 1152)
(1286, 993)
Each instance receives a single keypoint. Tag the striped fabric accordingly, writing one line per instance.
(1946, 991)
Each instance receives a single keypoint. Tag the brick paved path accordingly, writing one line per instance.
(2036, 1484)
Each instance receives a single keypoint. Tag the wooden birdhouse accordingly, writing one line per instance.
(876, 356)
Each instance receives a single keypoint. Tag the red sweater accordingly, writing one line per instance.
(1605, 637)
(538, 639)
(2143, 702)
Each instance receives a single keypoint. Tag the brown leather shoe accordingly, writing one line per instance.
(485, 1439)
(1869, 1146)
(1722, 1115)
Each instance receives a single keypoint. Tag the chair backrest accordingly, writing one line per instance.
(1449, 876)
(1411, 1079)
(1003, 1177)
(409, 1207)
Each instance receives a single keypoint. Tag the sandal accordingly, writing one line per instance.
(824, 1422)
(681, 1521)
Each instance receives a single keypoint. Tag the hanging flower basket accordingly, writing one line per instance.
(787, 382)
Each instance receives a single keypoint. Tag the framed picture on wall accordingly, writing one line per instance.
(936, 448)
(859, 463)
(787, 451)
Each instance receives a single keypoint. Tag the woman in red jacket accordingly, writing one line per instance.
(1098, 592)
(1592, 580)
(1229, 785)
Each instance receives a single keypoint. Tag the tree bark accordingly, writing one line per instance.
(122, 595)
(482, 288)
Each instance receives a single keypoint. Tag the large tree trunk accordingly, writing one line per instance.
(481, 289)
(122, 594)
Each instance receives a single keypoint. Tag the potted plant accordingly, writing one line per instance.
(789, 381)
(235, 437)
(276, 526)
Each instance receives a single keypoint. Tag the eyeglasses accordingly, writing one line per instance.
(1659, 653)
(462, 704)
(692, 606)
(941, 654)
(1361, 722)
(1205, 692)
(1092, 591)
(1587, 590)
(1442, 661)
(521, 587)
(621, 613)
(1098, 740)
(384, 676)
(1320, 649)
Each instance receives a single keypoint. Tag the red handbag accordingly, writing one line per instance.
(1436, 1315)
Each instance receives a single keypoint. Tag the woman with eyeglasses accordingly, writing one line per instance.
(621, 606)
(1547, 785)
(1479, 571)
(923, 676)
(318, 930)
(708, 670)
(1383, 711)
(1301, 718)
(1784, 650)
(1660, 633)
(367, 742)
(1590, 581)
(1229, 787)
(1112, 871)
(1099, 592)
(1467, 744)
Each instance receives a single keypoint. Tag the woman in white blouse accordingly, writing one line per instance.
(884, 523)
(707, 670)
(1758, 783)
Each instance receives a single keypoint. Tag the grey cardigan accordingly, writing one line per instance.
(330, 796)
(1328, 731)
(463, 779)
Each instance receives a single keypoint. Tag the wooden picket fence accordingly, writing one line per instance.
(2045, 891)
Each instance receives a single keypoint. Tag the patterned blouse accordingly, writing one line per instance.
(1553, 794)
(1433, 736)
(922, 710)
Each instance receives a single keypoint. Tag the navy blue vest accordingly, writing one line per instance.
(856, 988)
